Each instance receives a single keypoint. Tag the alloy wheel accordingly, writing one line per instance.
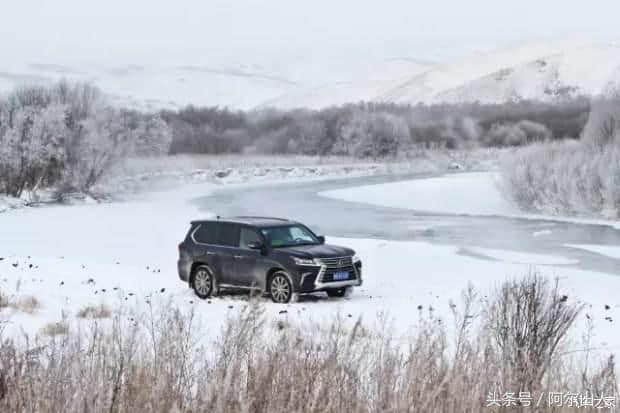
(203, 282)
(280, 289)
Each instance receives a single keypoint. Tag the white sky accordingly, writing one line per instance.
(142, 29)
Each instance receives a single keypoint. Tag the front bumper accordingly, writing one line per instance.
(319, 278)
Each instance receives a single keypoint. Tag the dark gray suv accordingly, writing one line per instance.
(276, 256)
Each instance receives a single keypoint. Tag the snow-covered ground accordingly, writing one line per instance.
(515, 257)
(69, 257)
(606, 250)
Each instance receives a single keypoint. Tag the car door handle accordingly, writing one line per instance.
(237, 256)
(210, 253)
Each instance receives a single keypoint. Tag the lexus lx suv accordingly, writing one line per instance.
(279, 257)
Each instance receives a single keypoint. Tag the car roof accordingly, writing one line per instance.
(251, 220)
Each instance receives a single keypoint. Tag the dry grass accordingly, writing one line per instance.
(26, 303)
(94, 311)
(4, 300)
(189, 163)
(55, 329)
(160, 363)
(194, 162)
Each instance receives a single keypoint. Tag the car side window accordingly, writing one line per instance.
(228, 235)
(206, 233)
(247, 237)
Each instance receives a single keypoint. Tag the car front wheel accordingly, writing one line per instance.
(280, 288)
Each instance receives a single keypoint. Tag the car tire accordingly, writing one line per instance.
(339, 292)
(203, 282)
(280, 288)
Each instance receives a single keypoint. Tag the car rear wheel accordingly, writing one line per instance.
(203, 281)
(280, 288)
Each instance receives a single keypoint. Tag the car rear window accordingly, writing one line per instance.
(218, 233)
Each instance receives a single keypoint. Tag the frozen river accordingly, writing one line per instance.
(301, 201)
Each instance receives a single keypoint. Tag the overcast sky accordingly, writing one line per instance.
(151, 28)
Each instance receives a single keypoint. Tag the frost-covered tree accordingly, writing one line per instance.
(516, 134)
(372, 135)
(32, 142)
(306, 135)
(153, 137)
(571, 177)
(603, 126)
(67, 136)
(97, 144)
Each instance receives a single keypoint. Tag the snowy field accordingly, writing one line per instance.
(68, 257)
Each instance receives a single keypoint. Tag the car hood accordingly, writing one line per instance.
(318, 251)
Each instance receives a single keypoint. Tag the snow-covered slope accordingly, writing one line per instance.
(146, 86)
(547, 71)
(365, 86)
(583, 71)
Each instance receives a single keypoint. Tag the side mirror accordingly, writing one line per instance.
(257, 246)
(321, 239)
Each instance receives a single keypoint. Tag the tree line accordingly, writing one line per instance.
(373, 130)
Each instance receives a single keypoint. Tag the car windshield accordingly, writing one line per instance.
(288, 236)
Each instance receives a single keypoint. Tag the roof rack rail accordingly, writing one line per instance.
(259, 217)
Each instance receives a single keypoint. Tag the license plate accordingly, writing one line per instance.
(341, 275)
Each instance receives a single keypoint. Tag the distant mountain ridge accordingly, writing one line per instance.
(545, 71)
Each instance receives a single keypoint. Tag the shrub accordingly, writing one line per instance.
(92, 311)
(571, 178)
(55, 329)
(528, 321)
(26, 304)
(4, 300)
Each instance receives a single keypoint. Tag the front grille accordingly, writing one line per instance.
(338, 262)
(328, 275)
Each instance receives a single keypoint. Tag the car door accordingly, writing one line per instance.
(227, 248)
(205, 247)
(248, 261)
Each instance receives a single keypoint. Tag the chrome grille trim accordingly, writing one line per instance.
(336, 262)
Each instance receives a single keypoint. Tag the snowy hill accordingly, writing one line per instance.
(371, 81)
(583, 70)
(544, 71)
(146, 86)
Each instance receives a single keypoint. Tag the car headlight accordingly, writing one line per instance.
(304, 261)
(356, 258)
